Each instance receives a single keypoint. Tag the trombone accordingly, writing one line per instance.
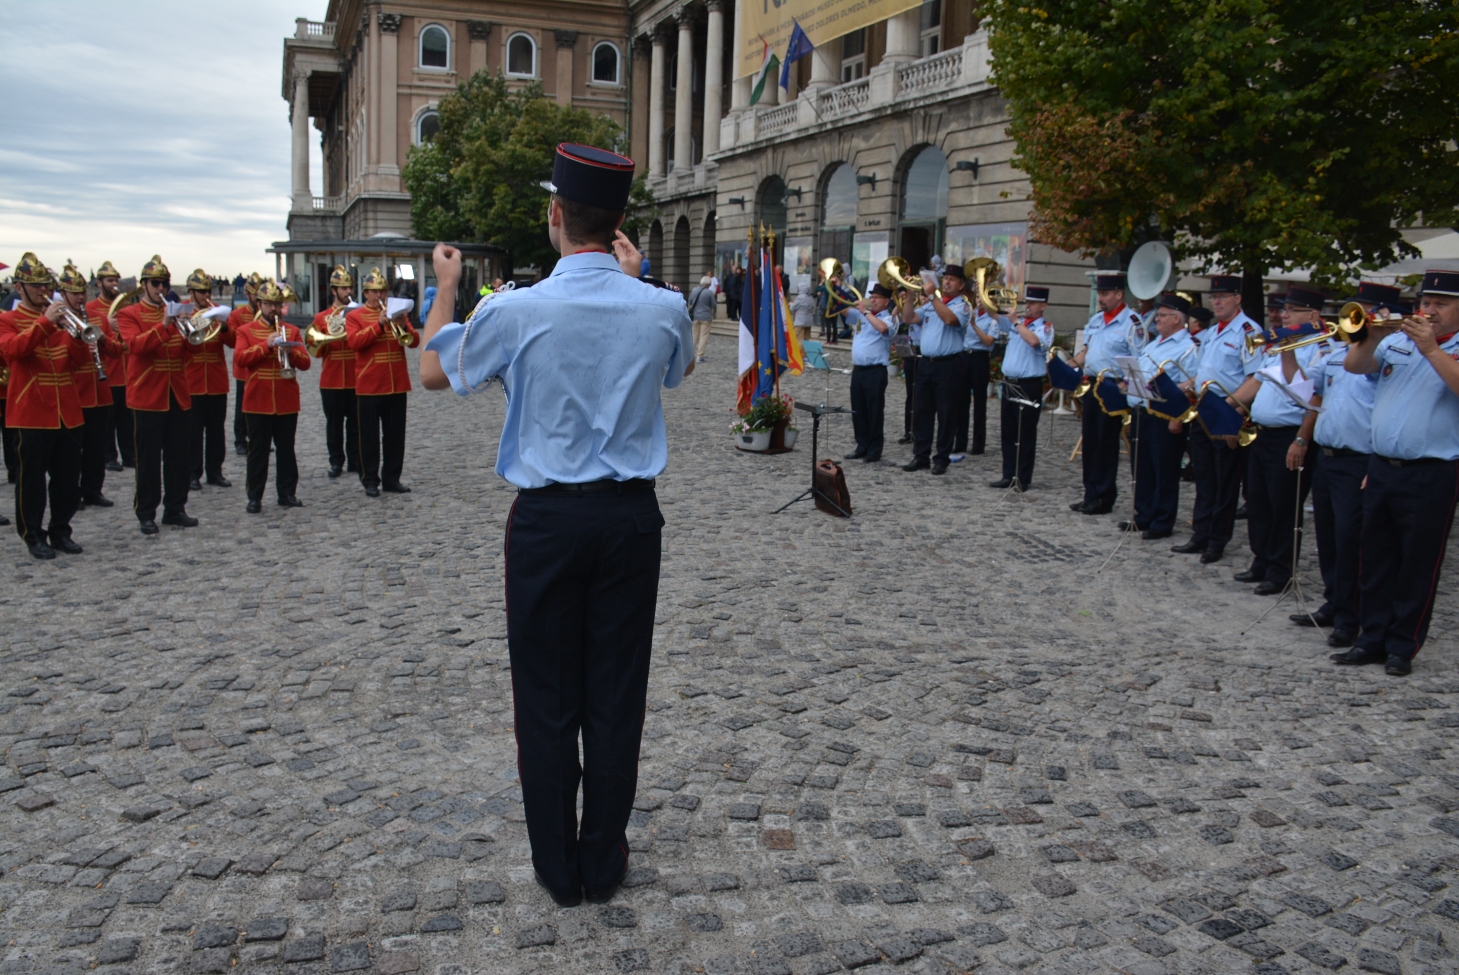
(832, 268)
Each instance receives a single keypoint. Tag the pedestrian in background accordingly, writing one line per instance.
(702, 304)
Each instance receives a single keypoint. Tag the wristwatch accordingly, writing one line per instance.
(1299, 441)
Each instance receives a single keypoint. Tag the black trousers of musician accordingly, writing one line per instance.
(909, 373)
(381, 423)
(1157, 456)
(341, 429)
(1218, 470)
(275, 430)
(1272, 505)
(1407, 514)
(1020, 427)
(1100, 453)
(1337, 516)
(125, 446)
(94, 434)
(42, 453)
(240, 420)
(164, 459)
(976, 369)
(868, 408)
(938, 393)
(12, 458)
(582, 577)
(210, 447)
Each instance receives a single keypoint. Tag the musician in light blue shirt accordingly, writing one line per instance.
(939, 370)
(872, 326)
(1106, 335)
(1025, 363)
(1157, 441)
(972, 413)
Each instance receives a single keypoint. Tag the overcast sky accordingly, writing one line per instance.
(147, 127)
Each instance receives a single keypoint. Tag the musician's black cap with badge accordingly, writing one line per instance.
(880, 289)
(1225, 284)
(1036, 292)
(1175, 301)
(1440, 283)
(956, 271)
(1309, 298)
(1376, 294)
(1109, 282)
(591, 176)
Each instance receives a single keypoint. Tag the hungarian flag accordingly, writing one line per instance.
(769, 62)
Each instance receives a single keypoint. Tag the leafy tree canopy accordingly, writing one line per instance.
(1254, 133)
(478, 180)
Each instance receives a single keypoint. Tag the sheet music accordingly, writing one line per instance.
(1134, 378)
(1299, 390)
(398, 306)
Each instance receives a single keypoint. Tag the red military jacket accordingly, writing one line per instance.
(114, 357)
(380, 367)
(264, 391)
(42, 360)
(207, 371)
(242, 315)
(157, 357)
(336, 360)
(88, 389)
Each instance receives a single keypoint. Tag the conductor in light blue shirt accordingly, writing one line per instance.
(939, 371)
(582, 358)
(872, 326)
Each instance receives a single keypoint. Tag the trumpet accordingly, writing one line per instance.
(78, 327)
(1353, 322)
(334, 331)
(399, 332)
(1248, 431)
(286, 371)
(832, 268)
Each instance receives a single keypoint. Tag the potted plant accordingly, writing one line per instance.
(748, 439)
(764, 426)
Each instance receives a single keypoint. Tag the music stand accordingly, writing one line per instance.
(1294, 585)
(812, 493)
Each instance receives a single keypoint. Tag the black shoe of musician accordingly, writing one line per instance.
(1241, 513)
(99, 501)
(218, 480)
(4, 520)
(1097, 509)
(253, 507)
(41, 550)
(1398, 667)
(1268, 588)
(906, 438)
(1318, 618)
(1212, 555)
(1125, 526)
(939, 468)
(1191, 547)
(1342, 638)
(606, 894)
(335, 470)
(1001, 484)
(180, 518)
(1358, 657)
(394, 487)
(149, 527)
(371, 491)
(917, 465)
(68, 545)
(194, 485)
(114, 466)
(290, 502)
(854, 455)
(1079, 506)
(868, 459)
(1151, 535)
(1247, 575)
(561, 900)
(241, 449)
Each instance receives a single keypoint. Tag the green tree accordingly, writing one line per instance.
(478, 180)
(1254, 133)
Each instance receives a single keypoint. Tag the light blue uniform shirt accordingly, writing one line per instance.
(938, 337)
(1346, 420)
(990, 325)
(1142, 331)
(1223, 354)
(1173, 352)
(1414, 414)
(1103, 342)
(1021, 360)
(1274, 408)
(582, 357)
(868, 346)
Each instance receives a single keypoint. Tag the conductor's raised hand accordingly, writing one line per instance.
(630, 258)
(447, 263)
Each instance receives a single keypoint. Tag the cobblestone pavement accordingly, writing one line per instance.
(934, 738)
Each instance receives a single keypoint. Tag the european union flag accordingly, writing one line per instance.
(769, 340)
(799, 47)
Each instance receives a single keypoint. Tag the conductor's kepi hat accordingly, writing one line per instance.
(1440, 283)
(1036, 292)
(591, 176)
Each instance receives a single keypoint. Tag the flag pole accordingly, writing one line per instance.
(775, 297)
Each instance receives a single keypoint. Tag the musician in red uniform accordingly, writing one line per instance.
(271, 397)
(242, 315)
(120, 449)
(207, 384)
(337, 380)
(381, 383)
(93, 391)
(157, 394)
(43, 410)
(7, 439)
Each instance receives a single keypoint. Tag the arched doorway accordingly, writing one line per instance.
(923, 210)
(704, 262)
(770, 212)
(655, 250)
(679, 274)
(838, 214)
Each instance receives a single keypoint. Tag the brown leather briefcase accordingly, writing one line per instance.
(831, 483)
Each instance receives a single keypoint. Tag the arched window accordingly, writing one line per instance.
(435, 47)
(838, 200)
(521, 56)
(772, 211)
(924, 206)
(427, 124)
(606, 62)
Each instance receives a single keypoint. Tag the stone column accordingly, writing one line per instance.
(825, 65)
(390, 101)
(656, 107)
(566, 43)
(684, 96)
(904, 42)
(713, 76)
(638, 136)
(303, 198)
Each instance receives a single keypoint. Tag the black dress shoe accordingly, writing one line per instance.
(253, 507)
(939, 468)
(195, 485)
(4, 520)
(371, 491)
(1318, 618)
(181, 519)
(1247, 575)
(917, 465)
(1151, 534)
(1342, 638)
(41, 550)
(868, 459)
(606, 894)
(1097, 509)
(1079, 506)
(149, 527)
(1125, 526)
(241, 449)
(1241, 513)
(561, 900)
(68, 545)
(1358, 657)
(1398, 667)
(335, 470)
(1212, 555)
(854, 455)
(218, 480)
(906, 439)
(290, 502)
(114, 466)
(99, 501)
(1191, 547)
(1268, 588)
(394, 487)
(1001, 484)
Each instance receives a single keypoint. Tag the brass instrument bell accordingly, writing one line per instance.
(895, 272)
(334, 331)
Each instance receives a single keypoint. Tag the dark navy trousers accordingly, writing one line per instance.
(1337, 516)
(1157, 467)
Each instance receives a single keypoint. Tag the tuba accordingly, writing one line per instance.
(334, 331)
(984, 273)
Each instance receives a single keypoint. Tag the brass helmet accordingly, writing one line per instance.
(155, 270)
(252, 286)
(108, 270)
(375, 281)
(30, 270)
(199, 281)
(268, 291)
(73, 280)
(340, 278)
(290, 295)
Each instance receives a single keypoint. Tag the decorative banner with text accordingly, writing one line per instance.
(822, 21)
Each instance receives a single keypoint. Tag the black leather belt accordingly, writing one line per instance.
(605, 486)
(1416, 462)
(941, 358)
(1340, 452)
(1262, 426)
